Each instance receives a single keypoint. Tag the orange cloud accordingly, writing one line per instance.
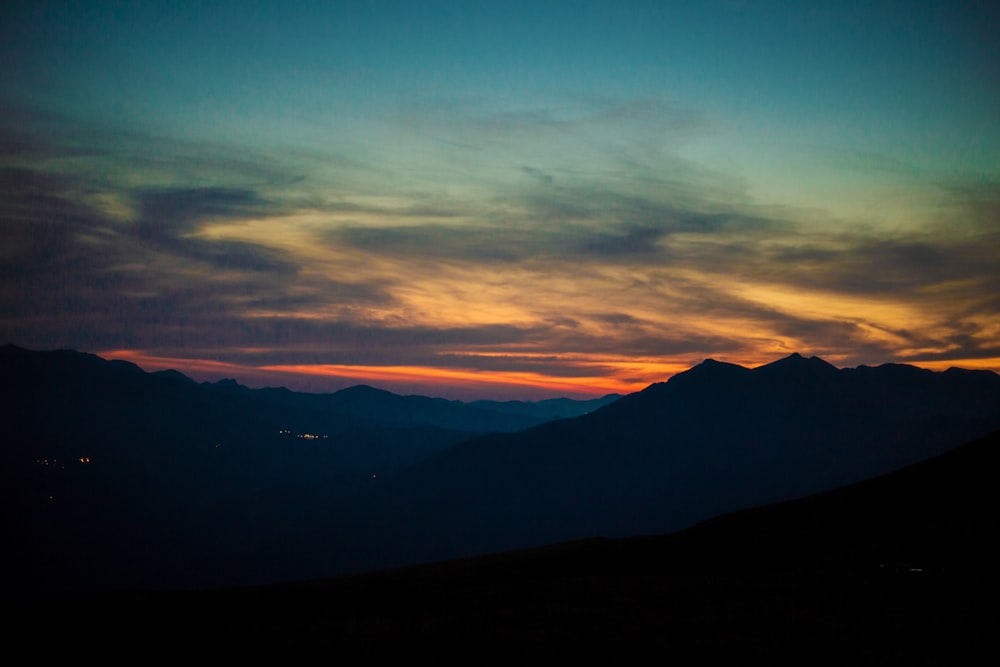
(468, 379)
(468, 382)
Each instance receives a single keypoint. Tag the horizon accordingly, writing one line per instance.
(501, 199)
(404, 385)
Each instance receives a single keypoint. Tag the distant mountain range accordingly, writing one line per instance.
(127, 479)
(129, 469)
(74, 375)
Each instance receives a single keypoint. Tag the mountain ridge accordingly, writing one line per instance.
(354, 397)
(186, 485)
(682, 450)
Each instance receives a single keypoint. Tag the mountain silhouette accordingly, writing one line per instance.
(146, 476)
(711, 440)
(377, 406)
(132, 480)
(67, 374)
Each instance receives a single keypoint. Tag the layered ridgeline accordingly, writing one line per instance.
(711, 440)
(113, 476)
(127, 479)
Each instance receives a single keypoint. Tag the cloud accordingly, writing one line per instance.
(304, 341)
(481, 121)
(76, 276)
(616, 267)
(738, 276)
(568, 223)
(41, 225)
(170, 212)
(167, 218)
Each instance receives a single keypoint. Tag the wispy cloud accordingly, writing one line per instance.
(572, 241)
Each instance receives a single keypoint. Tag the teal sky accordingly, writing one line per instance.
(500, 198)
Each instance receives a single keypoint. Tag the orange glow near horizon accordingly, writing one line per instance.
(182, 364)
(465, 379)
(625, 375)
(468, 378)
(989, 364)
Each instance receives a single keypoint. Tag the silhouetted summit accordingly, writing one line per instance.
(797, 366)
(791, 369)
(713, 439)
(708, 373)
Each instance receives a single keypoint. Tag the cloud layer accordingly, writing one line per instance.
(561, 238)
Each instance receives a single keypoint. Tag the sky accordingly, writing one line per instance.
(500, 199)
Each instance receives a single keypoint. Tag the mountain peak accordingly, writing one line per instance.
(709, 371)
(227, 384)
(362, 392)
(797, 363)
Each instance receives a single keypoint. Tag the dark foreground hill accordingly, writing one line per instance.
(896, 570)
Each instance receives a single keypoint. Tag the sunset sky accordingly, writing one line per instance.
(500, 199)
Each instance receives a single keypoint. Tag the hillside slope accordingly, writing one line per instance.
(711, 440)
(799, 581)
